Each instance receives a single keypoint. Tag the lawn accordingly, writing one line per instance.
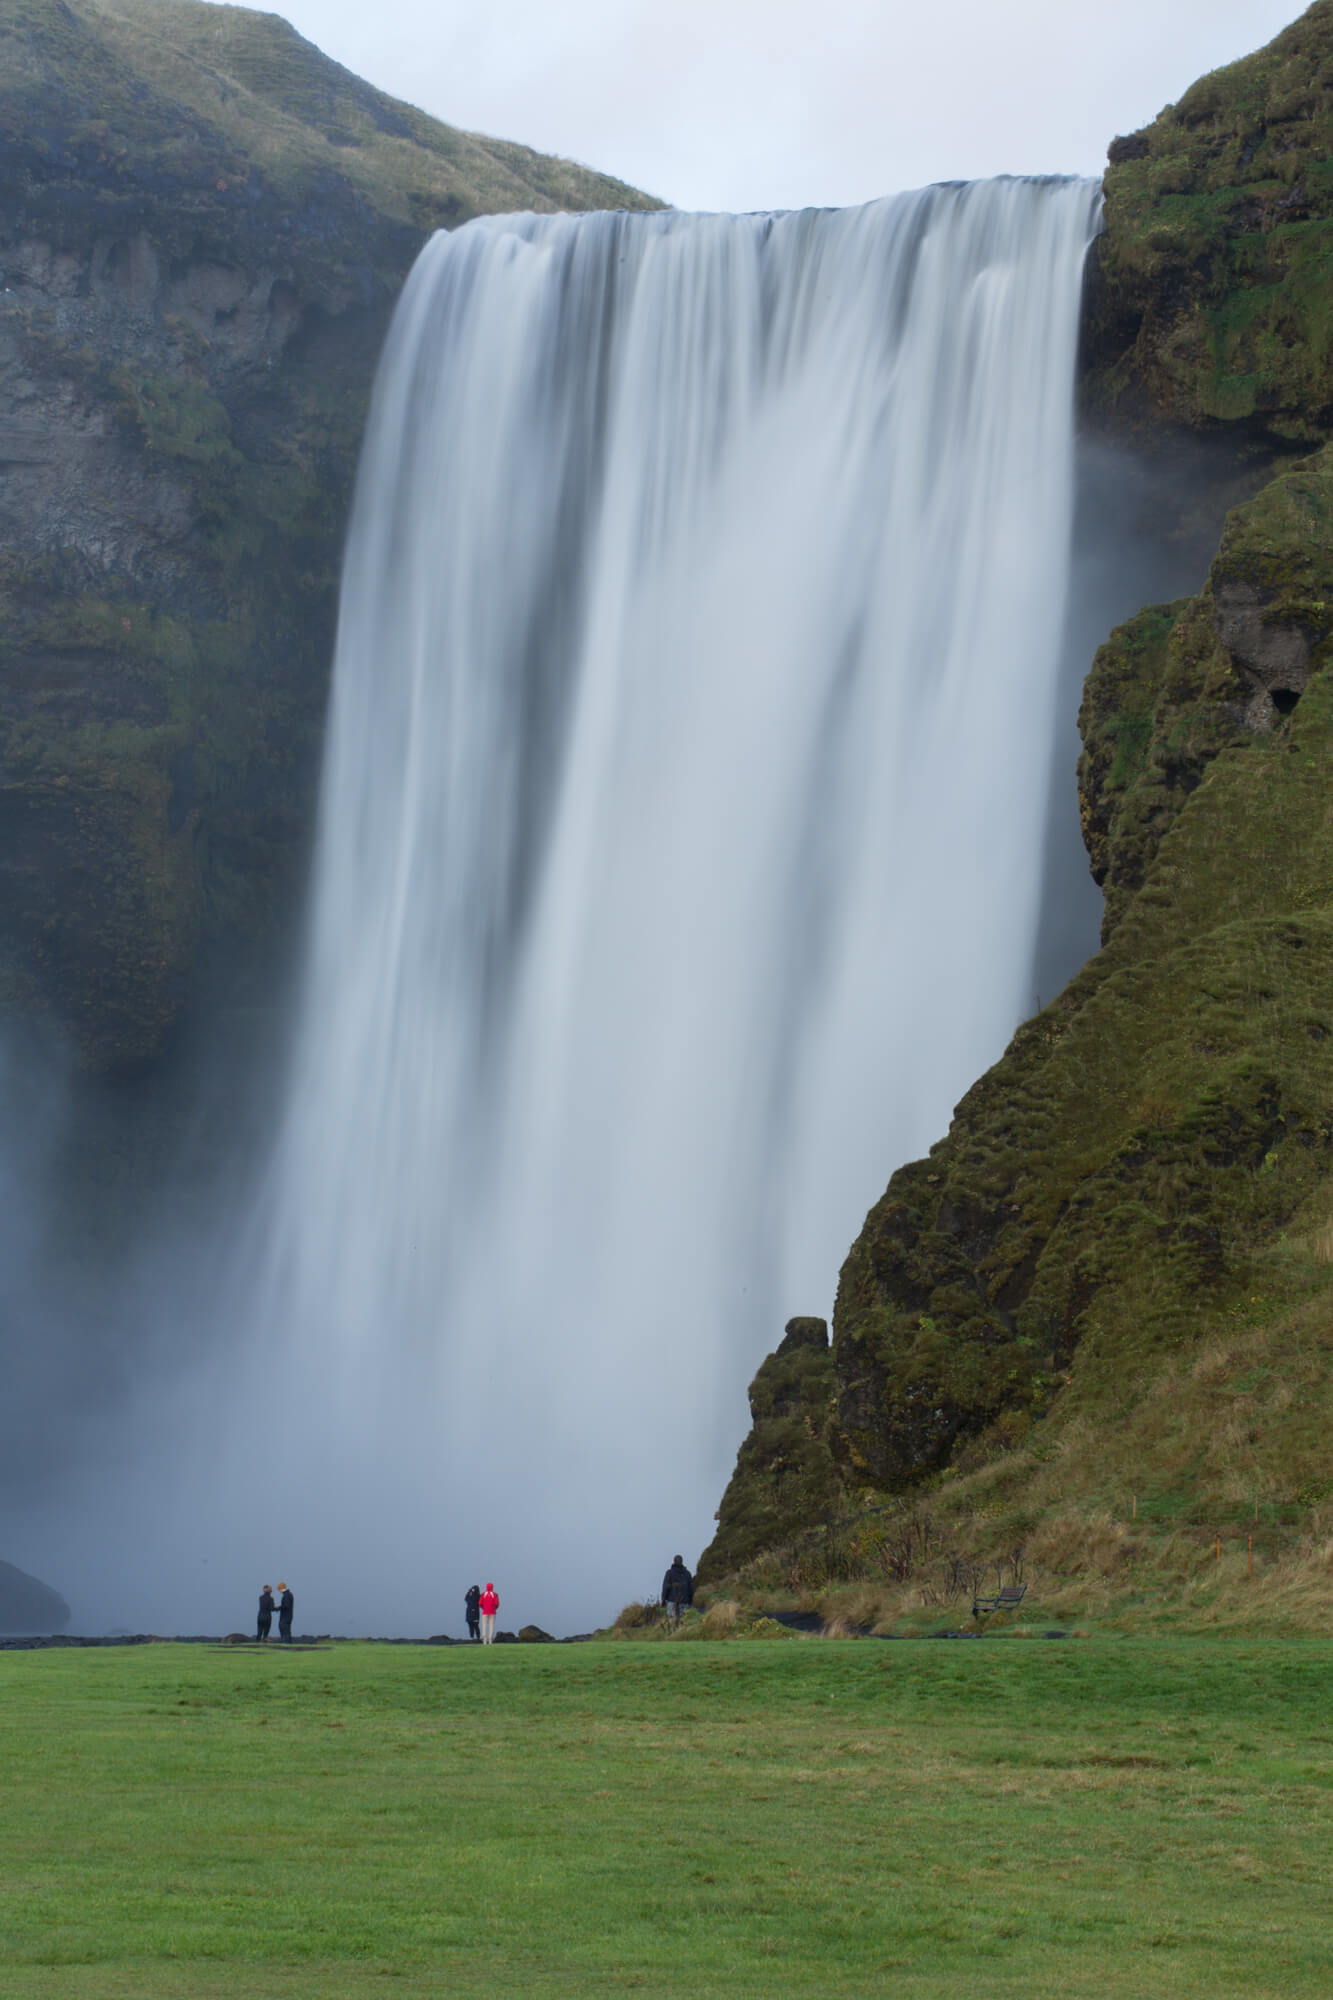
(1076, 1817)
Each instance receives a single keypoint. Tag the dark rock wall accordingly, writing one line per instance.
(171, 503)
(203, 226)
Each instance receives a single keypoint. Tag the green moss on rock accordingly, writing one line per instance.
(785, 1475)
(1178, 683)
(1211, 300)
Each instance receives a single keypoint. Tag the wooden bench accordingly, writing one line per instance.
(1007, 1598)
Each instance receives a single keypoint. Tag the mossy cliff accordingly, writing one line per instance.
(785, 1477)
(203, 226)
(1209, 297)
(1151, 1163)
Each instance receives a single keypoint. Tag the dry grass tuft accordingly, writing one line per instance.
(719, 1621)
(1073, 1544)
(858, 1606)
(636, 1617)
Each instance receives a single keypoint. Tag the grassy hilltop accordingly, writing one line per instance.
(154, 102)
(1096, 1324)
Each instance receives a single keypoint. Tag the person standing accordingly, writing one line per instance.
(677, 1590)
(286, 1606)
(473, 1603)
(490, 1604)
(265, 1614)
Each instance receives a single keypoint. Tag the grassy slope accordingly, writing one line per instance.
(1112, 1279)
(1153, 1153)
(195, 92)
(714, 1820)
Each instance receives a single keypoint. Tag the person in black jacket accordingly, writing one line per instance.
(677, 1589)
(265, 1614)
(473, 1604)
(286, 1606)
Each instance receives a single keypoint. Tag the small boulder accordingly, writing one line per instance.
(532, 1635)
(440, 1639)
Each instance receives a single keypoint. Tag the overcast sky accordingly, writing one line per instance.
(739, 104)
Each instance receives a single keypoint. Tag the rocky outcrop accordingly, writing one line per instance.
(1181, 682)
(28, 1606)
(203, 227)
(785, 1476)
(1208, 301)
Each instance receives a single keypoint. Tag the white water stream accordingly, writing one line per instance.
(678, 866)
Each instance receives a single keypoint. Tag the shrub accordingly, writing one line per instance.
(637, 1617)
(765, 1628)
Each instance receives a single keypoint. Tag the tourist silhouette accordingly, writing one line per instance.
(677, 1589)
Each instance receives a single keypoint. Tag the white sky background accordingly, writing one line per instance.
(736, 104)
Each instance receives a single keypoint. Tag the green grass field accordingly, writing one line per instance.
(1109, 1817)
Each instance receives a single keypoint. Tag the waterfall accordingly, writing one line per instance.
(680, 842)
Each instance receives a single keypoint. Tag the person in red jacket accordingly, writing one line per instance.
(490, 1604)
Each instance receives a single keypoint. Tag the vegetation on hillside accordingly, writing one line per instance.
(201, 119)
(1046, 1319)
(1155, 1142)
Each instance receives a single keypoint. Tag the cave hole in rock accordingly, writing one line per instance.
(1285, 699)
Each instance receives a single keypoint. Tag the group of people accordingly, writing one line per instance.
(481, 1606)
(285, 1606)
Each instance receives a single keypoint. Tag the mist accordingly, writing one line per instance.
(679, 866)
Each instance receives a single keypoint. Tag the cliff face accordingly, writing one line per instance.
(1151, 1159)
(1209, 303)
(203, 227)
